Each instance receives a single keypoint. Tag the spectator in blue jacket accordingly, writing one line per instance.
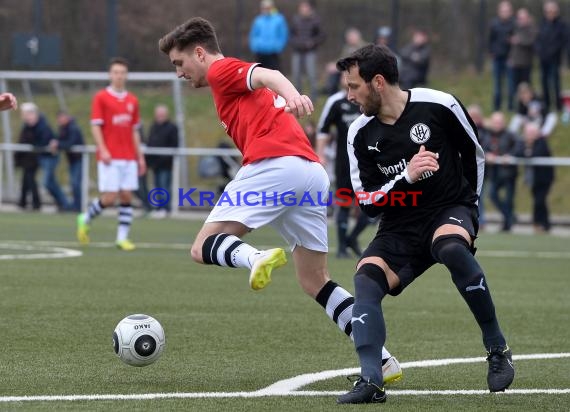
(268, 35)
(69, 136)
(502, 28)
(49, 157)
(551, 41)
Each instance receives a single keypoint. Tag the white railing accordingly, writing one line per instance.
(7, 149)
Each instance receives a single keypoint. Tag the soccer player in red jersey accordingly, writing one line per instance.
(257, 108)
(115, 124)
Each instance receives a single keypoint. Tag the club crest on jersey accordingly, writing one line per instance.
(420, 133)
(130, 107)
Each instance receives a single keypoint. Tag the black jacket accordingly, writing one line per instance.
(306, 33)
(38, 135)
(70, 135)
(499, 35)
(501, 144)
(552, 39)
(162, 135)
(541, 175)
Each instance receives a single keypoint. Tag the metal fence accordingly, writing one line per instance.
(7, 150)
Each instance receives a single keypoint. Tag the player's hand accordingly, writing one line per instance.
(8, 101)
(105, 156)
(423, 161)
(142, 166)
(300, 106)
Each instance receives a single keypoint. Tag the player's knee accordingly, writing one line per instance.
(447, 248)
(456, 254)
(370, 283)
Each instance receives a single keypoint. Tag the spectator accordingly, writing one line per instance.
(70, 135)
(48, 160)
(163, 133)
(414, 59)
(268, 35)
(142, 192)
(552, 39)
(306, 36)
(384, 37)
(28, 161)
(531, 109)
(502, 28)
(521, 53)
(503, 145)
(483, 136)
(352, 41)
(539, 178)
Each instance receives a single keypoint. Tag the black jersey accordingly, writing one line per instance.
(340, 113)
(379, 154)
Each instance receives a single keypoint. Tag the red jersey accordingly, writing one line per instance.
(255, 119)
(117, 114)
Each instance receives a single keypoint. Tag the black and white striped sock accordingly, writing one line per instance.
(338, 304)
(223, 249)
(125, 220)
(93, 210)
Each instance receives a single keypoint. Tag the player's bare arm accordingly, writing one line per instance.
(297, 104)
(323, 139)
(140, 155)
(98, 138)
(423, 161)
(8, 101)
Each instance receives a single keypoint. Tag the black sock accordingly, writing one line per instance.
(368, 326)
(338, 304)
(223, 249)
(342, 226)
(453, 251)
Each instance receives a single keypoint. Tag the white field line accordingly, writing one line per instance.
(523, 254)
(287, 387)
(46, 251)
(292, 384)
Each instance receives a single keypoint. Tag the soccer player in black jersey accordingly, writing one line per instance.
(410, 141)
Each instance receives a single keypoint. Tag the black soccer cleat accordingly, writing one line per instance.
(363, 391)
(501, 368)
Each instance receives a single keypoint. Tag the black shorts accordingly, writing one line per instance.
(407, 249)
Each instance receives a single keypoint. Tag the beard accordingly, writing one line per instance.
(373, 104)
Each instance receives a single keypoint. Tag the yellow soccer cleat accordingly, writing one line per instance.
(260, 275)
(125, 245)
(82, 230)
(391, 370)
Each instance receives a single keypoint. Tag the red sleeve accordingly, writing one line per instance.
(231, 76)
(97, 110)
(136, 114)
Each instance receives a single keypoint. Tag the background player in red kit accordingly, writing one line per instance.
(257, 108)
(114, 124)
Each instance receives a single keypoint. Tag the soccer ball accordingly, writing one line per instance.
(138, 340)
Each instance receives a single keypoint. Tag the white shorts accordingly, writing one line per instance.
(118, 175)
(289, 193)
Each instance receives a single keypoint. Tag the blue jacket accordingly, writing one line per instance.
(40, 134)
(268, 34)
(70, 135)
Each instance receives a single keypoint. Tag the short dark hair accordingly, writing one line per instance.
(119, 60)
(195, 32)
(372, 60)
